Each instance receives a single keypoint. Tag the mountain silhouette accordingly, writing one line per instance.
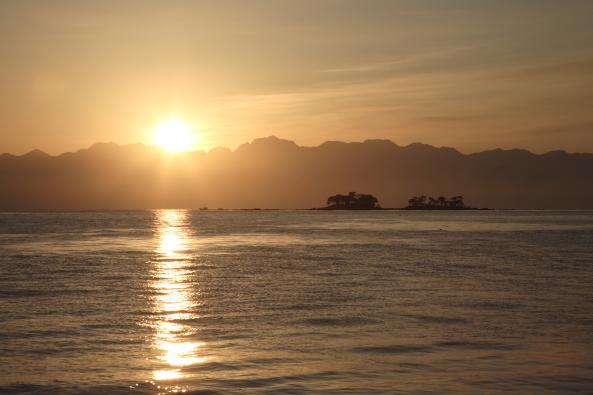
(276, 173)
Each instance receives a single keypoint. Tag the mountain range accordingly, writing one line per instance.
(276, 173)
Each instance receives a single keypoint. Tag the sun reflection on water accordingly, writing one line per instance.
(175, 297)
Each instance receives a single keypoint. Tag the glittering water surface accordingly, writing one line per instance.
(290, 302)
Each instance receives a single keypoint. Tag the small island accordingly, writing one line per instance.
(352, 201)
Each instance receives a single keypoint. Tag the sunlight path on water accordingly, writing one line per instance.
(296, 302)
(174, 301)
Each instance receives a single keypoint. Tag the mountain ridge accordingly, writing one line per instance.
(276, 173)
(273, 138)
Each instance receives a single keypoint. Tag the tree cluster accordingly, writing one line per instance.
(353, 201)
(440, 203)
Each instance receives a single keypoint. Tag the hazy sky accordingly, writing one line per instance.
(468, 74)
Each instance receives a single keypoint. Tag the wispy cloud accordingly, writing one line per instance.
(568, 129)
(405, 61)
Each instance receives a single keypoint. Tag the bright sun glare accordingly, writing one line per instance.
(174, 135)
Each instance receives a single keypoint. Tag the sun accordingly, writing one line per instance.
(174, 135)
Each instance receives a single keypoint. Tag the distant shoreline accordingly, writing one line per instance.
(82, 210)
(400, 208)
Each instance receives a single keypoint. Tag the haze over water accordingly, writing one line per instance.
(296, 302)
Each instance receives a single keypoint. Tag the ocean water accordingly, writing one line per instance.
(296, 302)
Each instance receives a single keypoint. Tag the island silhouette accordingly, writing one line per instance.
(275, 173)
(352, 201)
(424, 202)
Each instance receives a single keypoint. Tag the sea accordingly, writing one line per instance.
(296, 302)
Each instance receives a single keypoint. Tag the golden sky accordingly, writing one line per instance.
(469, 74)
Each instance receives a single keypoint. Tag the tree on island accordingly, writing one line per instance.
(352, 201)
(441, 203)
